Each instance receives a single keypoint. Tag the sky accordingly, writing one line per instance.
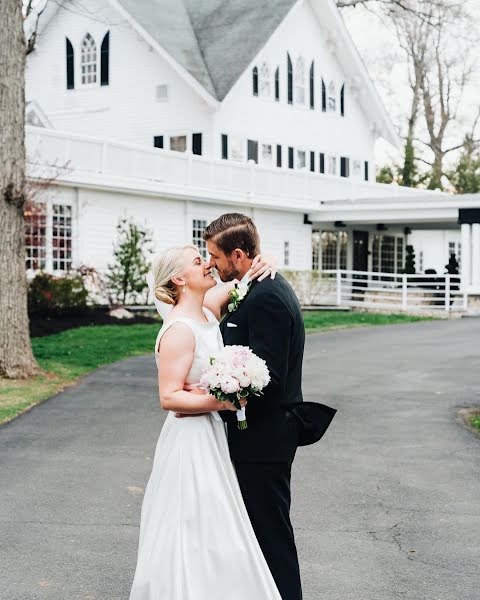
(383, 57)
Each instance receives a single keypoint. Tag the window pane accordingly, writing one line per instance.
(35, 236)
(329, 250)
(178, 143)
(62, 237)
(301, 161)
(198, 227)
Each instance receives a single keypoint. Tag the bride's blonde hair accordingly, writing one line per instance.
(166, 265)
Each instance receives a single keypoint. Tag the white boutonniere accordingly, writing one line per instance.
(237, 294)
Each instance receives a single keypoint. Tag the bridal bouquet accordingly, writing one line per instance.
(235, 373)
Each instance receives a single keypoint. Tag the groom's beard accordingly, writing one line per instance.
(229, 273)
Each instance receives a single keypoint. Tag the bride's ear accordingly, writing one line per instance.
(178, 281)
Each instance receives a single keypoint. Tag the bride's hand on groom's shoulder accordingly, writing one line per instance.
(263, 265)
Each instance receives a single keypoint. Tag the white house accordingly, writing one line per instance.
(174, 111)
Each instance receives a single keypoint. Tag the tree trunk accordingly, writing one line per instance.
(16, 357)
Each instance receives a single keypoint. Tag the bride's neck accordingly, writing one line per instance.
(191, 304)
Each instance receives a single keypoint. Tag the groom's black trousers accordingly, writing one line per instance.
(266, 491)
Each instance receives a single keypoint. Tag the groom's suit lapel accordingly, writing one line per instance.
(237, 313)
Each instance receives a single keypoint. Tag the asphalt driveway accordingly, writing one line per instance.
(386, 506)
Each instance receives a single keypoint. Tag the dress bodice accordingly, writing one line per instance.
(208, 341)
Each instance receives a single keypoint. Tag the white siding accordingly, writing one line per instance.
(127, 108)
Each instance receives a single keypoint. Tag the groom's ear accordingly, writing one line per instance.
(238, 254)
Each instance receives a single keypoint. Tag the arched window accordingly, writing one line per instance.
(290, 79)
(312, 85)
(255, 81)
(300, 81)
(332, 101)
(89, 60)
(105, 60)
(324, 97)
(277, 84)
(264, 80)
(342, 101)
(70, 64)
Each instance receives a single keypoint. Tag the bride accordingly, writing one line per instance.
(196, 541)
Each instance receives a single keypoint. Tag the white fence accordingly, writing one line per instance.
(65, 156)
(399, 292)
(386, 292)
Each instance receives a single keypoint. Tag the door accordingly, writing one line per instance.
(360, 263)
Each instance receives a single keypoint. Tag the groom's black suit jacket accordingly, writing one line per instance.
(269, 320)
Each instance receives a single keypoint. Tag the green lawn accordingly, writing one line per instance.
(475, 421)
(65, 356)
(324, 320)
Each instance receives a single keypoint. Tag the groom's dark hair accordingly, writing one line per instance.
(234, 230)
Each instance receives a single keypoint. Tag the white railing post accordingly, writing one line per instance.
(339, 287)
(404, 291)
(447, 292)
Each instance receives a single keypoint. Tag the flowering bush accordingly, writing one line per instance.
(235, 373)
(53, 295)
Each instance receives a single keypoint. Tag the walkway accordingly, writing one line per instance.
(386, 506)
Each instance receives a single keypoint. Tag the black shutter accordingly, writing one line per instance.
(344, 167)
(322, 162)
(324, 97)
(224, 146)
(105, 60)
(158, 141)
(312, 85)
(290, 79)
(197, 143)
(277, 84)
(255, 81)
(312, 162)
(290, 157)
(252, 153)
(366, 170)
(70, 65)
(342, 101)
(279, 156)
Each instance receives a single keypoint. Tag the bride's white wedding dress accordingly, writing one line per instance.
(196, 541)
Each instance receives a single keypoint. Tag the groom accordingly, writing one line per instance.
(268, 320)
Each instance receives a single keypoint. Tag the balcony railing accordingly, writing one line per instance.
(66, 156)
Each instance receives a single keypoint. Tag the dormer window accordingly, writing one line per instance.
(264, 83)
(300, 81)
(89, 60)
(332, 101)
(324, 97)
(255, 81)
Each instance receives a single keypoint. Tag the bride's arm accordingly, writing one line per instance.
(175, 361)
(176, 351)
(217, 298)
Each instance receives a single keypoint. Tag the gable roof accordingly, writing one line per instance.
(224, 25)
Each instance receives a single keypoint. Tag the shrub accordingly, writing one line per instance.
(126, 275)
(55, 295)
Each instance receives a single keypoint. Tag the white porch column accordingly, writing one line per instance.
(476, 256)
(466, 256)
